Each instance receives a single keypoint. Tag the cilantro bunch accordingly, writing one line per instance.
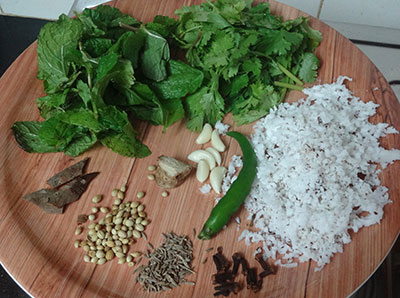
(100, 71)
(249, 58)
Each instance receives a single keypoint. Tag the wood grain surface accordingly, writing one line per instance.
(37, 248)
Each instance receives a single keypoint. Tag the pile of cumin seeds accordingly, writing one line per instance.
(167, 265)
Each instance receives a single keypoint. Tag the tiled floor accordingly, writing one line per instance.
(366, 20)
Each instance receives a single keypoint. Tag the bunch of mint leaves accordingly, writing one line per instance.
(100, 71)
(249, 57)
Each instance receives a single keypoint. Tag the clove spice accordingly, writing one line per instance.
(267, 269)
(224, 279)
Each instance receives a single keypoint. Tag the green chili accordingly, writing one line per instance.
(236, 194)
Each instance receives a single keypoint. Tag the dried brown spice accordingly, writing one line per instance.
(225, 277)
(82, 218)
(41, 198)
(70, 192)
(68, 174)
(53, 200)
(167, 265)
(267, 269)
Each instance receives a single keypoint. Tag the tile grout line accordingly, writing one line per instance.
(321, 3)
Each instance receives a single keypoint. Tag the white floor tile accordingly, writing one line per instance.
(309, 6)
(387, 61)
(45, 9)
(371, 33)
(381, 13)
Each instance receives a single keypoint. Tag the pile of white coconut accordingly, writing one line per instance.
(317, 175)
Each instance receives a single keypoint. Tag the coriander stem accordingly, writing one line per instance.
(287, 85)
(289, 74)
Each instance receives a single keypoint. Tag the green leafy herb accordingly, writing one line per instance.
(96, 69)
(251, 55)
(104, 68)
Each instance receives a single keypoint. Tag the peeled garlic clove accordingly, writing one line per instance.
(198, 155)
(216, 141)
(216, 176)
(215, 154)
(203, 170)
(205, 134)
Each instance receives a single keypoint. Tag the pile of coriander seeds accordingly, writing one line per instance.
(111, 236)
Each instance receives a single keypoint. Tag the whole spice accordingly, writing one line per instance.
(171, 172)
(53, 200)
(111, 236)
(68, 174)
(140, 194)
(168, 264)
(224, 279)
(96, 199)
(267, 269)
(82, 218)
(236, 194)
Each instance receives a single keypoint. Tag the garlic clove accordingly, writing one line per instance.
(216, 141)
(198, 155)
(205, 134)
(202, 171)
(216, 177)
(215, 154)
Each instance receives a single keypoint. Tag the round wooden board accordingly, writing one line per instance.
(37, 248)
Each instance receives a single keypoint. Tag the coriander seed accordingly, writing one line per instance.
(96, 199)
(140, 194)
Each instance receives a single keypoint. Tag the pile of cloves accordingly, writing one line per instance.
(224, 279)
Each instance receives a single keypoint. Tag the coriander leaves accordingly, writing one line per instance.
(248, 53)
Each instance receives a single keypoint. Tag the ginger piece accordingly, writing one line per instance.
(171, 172)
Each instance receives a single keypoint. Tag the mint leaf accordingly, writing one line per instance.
(50, 104)
(106, 17)
(97, 47)
(155, 56)
(57, 134)
(181, 81)
(80, 144)
(26, 133)
(126, 143)
(172, 111)
(131, 47)
(80, 117)
(57, 43)
(106, 64)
